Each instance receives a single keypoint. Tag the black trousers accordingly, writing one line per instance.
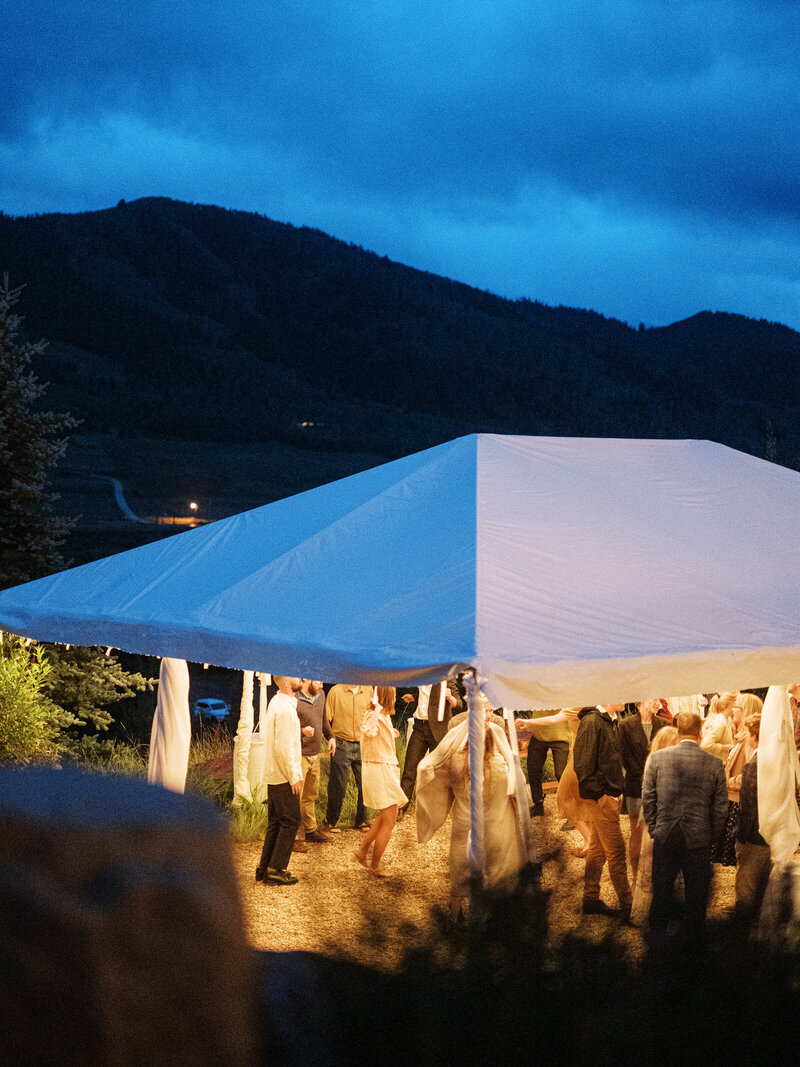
(669, 857)
(420, 743)
(283, 809)
(537, 754)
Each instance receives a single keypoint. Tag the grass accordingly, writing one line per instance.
(248, 822)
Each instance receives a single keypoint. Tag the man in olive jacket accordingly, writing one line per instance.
(598, 767)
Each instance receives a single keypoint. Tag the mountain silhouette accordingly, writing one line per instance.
(199, 322)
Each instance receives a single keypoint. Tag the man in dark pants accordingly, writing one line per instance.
(636, 734)
(685, 802)
(284, 778)
(598, 768)
(431, 719)
(555, 739)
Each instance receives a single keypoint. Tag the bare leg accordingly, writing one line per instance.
(360, 853)
(383, 827)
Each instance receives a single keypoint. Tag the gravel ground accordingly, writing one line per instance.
(337, 909)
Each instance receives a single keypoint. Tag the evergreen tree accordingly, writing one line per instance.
(79, 682)
(83, 681)
(31, 442)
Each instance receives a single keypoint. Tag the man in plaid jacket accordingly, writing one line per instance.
(685, 802)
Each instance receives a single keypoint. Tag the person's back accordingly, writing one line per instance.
(686, 785)
(684, 802)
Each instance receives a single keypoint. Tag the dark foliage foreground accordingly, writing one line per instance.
(496, 992)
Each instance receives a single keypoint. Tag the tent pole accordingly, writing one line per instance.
(523, 812)
(477, 740)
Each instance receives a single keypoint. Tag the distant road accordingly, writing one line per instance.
(119, 497)
(154, 520)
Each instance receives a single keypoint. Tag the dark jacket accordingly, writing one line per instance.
(747, 829)
(685, 785)
(634, 746)
(312, 713)
(439, 728)
(596, 756)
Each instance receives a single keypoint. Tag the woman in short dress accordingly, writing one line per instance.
(380, 778)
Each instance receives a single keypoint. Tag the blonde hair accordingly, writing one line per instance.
(666, 737)
(751, 705)
(488, 752)
(721, 702)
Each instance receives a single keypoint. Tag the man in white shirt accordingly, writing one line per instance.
(283, 775)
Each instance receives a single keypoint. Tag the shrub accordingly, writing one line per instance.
(30, 723)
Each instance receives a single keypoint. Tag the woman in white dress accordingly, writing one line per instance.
(380, 778)
(443, 785)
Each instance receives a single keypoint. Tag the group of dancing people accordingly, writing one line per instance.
(686, 811)
(606, 763)
(355, 721)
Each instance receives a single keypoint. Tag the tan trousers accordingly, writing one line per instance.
(309, 765)
(606, 843)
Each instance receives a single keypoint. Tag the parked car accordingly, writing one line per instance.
(211, 708)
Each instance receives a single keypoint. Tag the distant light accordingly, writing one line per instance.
(193, 506)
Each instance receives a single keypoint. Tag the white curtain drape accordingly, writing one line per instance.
(171, 734)
(242, 771)
(778, 774)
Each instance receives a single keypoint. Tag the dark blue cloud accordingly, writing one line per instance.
(636, 156)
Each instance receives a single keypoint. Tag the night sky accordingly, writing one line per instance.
(638, 157)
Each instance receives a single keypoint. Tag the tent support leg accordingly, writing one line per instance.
(477, 739)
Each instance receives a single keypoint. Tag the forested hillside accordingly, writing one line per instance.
(198, 322)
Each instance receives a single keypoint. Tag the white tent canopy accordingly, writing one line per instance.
(566, 571)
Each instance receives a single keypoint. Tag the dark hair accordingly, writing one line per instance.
(753, 725)
(385, 695)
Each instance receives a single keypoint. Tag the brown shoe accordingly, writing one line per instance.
(300, 846)
(317, 835)
(326, 828)
(362, 827)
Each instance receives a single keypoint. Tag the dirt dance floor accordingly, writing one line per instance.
(339, 910)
